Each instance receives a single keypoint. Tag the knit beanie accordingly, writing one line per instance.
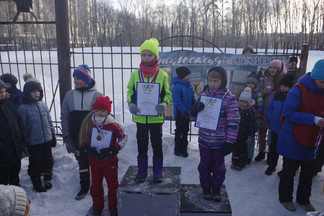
(318, 70)
(102, 103)
(83, 72)
(182, 72)
(151, 45)
(13, 200)
(252, 78)
(246, 96)
(9, 78)
(2, 84)
(287, 80)
(213, 73)
(248, 48)
(280, 65)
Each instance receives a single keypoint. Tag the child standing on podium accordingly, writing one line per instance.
(215, 145)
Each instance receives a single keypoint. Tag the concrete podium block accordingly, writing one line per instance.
(193, 203)
(148, 198)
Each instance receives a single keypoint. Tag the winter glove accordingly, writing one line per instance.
(133, 109)
(70, 147)
(161, 107)
(53, 141)
(227, 148)
(89, 151)
(249, 141)
(107, 153)
(196, 108)
(186, 116)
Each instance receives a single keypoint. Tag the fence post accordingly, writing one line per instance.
(303, 59)
(63, 46)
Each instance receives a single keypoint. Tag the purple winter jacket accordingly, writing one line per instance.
(228, 124)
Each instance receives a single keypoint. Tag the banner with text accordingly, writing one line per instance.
(238, 67)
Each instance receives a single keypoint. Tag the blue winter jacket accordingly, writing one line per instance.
(287, 145)
(37, 122)
(275, 109)
(182, 95)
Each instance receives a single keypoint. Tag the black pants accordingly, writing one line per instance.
(40, 159)
(240, 153)
(84, 171)
(286, 184)
(181, 134)
(142, 136)
(10, 174)
(272, 158)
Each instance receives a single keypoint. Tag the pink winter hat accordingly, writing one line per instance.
(280, 65)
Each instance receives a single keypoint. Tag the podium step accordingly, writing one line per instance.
(148, 198)
(193, 203)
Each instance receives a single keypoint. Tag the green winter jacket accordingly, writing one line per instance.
(165, 95)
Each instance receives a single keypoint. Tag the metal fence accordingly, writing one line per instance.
(111, 66)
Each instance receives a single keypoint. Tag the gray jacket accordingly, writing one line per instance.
(37, 122)
(76, 102)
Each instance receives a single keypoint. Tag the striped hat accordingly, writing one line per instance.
(83, 72)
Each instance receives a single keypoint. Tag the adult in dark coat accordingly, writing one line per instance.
(11, 81)
(12, 140)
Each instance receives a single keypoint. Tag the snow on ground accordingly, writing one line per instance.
(251, 192)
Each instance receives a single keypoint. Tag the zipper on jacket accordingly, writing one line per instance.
(40, 116)
(82, 101)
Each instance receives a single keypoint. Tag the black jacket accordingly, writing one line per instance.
(12, 134)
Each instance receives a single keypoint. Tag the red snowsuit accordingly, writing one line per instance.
(107, 168)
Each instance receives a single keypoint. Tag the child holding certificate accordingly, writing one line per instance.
(147, 97)
(215, 143)
(101, 138)
(183, 98)
(246, 130)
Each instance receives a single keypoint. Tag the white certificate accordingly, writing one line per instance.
(101, 139)
(147, 98)
(208, 118)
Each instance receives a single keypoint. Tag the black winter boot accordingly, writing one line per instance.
(260, 156)
(37, 184)
(82, 193)
(270, 170)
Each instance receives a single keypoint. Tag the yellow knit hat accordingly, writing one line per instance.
(152, 45)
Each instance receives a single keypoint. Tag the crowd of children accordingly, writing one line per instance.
(269, 104)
